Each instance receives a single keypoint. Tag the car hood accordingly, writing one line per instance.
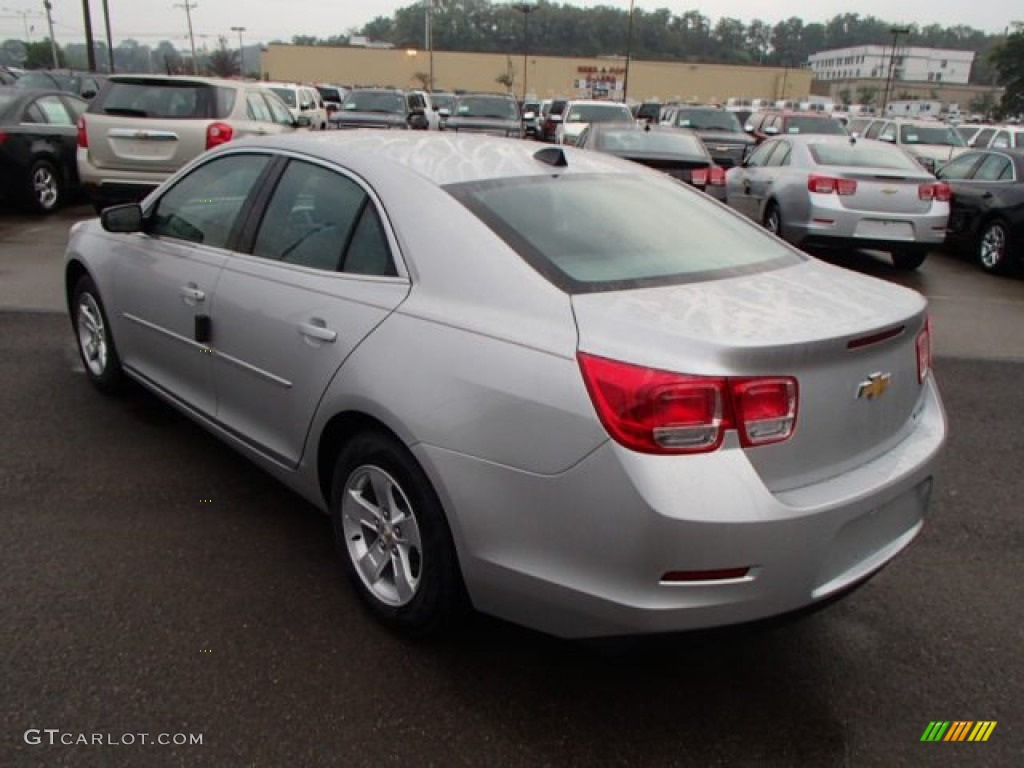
(726, 137)
(368, 118)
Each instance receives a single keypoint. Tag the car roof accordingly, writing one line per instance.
(440, 159)
(185, 79)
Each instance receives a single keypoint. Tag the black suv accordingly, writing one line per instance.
(719, 129)
(381, 108)
(82, 84)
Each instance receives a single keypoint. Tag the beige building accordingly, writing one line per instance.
(546, 76)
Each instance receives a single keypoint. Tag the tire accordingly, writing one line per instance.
(993, 249)
(399, 555)
(772, 220)
(908, 259)
(93, 339)
(45, 192)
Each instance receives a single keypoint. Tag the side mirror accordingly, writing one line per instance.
(306, 106)
(122, 218)
(444, 112)
(749, 127)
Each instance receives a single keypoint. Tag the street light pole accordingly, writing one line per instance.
(629, 49)
(241, 51)
(53, 41)
(90, 49)
(526, 9)
(110, 40)
(896, 32)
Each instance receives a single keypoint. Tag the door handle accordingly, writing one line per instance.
(987, 196)
(317, 329)
(192, 295)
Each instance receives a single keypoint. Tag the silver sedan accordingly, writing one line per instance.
(842, 192)
(549, 384)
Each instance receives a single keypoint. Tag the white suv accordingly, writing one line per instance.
(303, 101)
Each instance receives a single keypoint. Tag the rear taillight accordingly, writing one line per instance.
(826, 185)
(699, 177)
(716, 176)
(217, 134)
(83, 134)
(654, 411)
(3, 137)
(940, 192)
(924, 351)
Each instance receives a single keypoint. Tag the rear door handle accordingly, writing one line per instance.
(317, 329)
(192, 295)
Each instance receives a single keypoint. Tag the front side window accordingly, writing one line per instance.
(53, 110)
(278, 111)
(203, 205)
(257, 109)
(588, 233)
(759, 157)
(287, 95)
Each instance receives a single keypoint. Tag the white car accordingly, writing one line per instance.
(302, 100)
(579, 114)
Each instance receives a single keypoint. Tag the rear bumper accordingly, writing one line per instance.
(835, 226)
(107, 186)
(582, 554)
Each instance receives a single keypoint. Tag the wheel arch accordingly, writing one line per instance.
(338, 430)
(74, 271)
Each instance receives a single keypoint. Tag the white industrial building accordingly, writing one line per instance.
(909, 64)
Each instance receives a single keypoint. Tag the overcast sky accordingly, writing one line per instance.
(150, 21)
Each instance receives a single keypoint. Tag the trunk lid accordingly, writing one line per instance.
(881, 191)
(813, 322)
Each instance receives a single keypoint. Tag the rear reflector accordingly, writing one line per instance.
(924, 351)
(655, 411)
(690, 577)
(83, 135)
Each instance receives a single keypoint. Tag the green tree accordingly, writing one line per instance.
(223, 62)
(1008, 59)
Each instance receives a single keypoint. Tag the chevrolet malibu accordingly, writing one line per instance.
(838, 192)
(549, 384)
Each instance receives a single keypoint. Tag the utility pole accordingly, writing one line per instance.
(241, 51)
(90, 44)
(53, 42)
(429, 33)
(189, 6)
(110, 40)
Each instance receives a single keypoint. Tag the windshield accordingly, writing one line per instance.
(708, 120)
(443, 100)
(373, 101)
(942, 135)
(329, 94)
(589, 233)
(599, 113)
(486, 106)
(287, 95)
(809, 124)
(628, 141)
(863, 155)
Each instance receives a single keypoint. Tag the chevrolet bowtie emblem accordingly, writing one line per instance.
(874, 387)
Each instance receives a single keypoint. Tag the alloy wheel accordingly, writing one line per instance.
(992, 251)
(45, 187)
(92, 334)
(382, 535)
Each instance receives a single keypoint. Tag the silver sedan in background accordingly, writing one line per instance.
(842, 192)
(550, 384)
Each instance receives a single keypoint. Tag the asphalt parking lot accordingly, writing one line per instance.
(158, 583)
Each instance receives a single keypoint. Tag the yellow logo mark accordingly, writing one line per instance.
(874, 387)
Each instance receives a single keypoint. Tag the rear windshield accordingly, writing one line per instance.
(590, 233)
(287, 95)
(863, 155)
(942, 135)
(486, 106)
(386, 102)
(165, 100)
(657, 142)
(708, 120)
(809, 124)
(599, 113)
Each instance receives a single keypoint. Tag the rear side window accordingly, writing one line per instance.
(590, 233)
(166, 100)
